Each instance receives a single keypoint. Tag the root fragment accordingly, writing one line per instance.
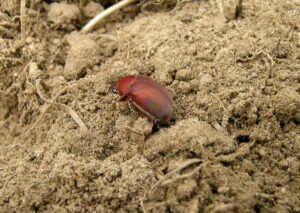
(23, 18)
(89, 26)
(283, 36)
(16, 60)
(169, 175)
(72, 113)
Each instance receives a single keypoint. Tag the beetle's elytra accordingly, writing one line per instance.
(149, 97)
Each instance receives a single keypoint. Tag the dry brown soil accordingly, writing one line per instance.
(232, 69)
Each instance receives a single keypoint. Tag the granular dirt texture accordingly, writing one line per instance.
(232, 67)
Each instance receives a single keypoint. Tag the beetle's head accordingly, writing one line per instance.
(114, 88)
(122, 86)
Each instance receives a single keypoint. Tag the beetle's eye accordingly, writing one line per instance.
(114, 91)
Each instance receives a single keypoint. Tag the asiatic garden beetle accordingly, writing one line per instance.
(147, 96)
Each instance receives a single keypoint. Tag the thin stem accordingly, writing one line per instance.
(89, 26)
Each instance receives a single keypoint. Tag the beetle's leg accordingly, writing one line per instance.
(136, 132)
(172, 119)
(155, 127)
(114, 104)
(131, 107)
(142, 138)
(124, 98)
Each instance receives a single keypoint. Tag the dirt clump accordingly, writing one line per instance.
(64, 15)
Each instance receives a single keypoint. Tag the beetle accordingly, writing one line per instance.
(149, 97)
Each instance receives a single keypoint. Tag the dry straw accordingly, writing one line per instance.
(89, 26)
(72, 113)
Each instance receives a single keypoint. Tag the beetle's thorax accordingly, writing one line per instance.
(125, 84)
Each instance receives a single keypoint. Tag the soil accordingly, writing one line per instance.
(232, 67)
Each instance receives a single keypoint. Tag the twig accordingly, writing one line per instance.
(254, 55)
(46, 109)
(237, 27)
(8, 18)
(109, 37)
(170, 174)
(238, 154)
(142, 205)
(282, 36)
(22, 14)
(5, 16)
(183, 176)
(89, 26)
(7, 32)
(8, 148)
(136, 132)
(17, 60)
(72, 113)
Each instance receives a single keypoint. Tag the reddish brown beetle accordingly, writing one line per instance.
(148, 96)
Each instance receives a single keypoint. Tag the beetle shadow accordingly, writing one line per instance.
(156, 127)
